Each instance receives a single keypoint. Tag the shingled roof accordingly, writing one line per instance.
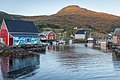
(21, 27)
(81, 32)
(117, 32)
(46, 32)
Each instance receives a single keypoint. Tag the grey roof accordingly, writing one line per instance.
(117, 32)
(46, 32)
(18, 26)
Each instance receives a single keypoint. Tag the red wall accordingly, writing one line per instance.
(10, 40)
(43, 36)
(118, 39)
(4, 34)
(5, 66)
(52, 35)
(0, 33)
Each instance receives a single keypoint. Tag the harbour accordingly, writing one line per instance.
(59, 40)
(63, 62)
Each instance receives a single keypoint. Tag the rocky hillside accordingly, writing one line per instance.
(74, 16)
(8, 16)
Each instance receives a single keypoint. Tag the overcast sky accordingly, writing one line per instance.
(48, 7)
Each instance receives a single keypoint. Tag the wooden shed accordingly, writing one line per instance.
(17, 32)
(116, 36)
(48, 35)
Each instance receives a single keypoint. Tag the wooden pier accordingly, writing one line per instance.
(34, 48)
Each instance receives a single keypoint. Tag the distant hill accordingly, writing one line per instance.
(74, 16)
(8, 16)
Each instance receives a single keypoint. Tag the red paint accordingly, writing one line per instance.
(51, 36)
(4, 33)
(118, 39)
(5, 66)
(10, 40)
(0, 33)
(43, 36)
(7, 39)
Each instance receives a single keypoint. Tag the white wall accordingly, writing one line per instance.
(1, 40)
(114, 39)
(79, 36)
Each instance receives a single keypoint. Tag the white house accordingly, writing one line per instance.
(80, 34)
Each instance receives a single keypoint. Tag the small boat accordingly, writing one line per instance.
(61, 41)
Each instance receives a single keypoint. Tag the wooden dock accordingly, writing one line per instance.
(34, 48)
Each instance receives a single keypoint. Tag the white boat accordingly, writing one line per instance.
(61, 41)
(44, 43)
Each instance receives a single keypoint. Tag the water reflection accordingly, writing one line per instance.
(51, 48)
(72, 57)
(102, 48)
(115, 57)
(90, 45)
(116, 62)
(60, 47)
(15, 67)
(64, 62)
(77, 62)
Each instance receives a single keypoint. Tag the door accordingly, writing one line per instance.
(10, 41)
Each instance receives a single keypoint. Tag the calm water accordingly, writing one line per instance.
(63, 62)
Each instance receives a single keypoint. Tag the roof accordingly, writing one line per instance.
(21, 26)
(81, 32)
(90, 39)
(23, 33)
(117, 32)
(47, 32)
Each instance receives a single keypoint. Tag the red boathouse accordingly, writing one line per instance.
(48, 35)
(17, 32)
(4, 34)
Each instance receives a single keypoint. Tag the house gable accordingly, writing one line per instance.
(4, 33)
(50, 35)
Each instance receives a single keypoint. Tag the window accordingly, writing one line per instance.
(28, 40)
(118, 38)
(17, 41)
(51, 37)
(4, 39)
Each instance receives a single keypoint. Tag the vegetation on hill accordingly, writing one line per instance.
(70, 17)
(74, 16)
(4, 15)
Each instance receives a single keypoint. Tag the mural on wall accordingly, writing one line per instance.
(18, 40)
